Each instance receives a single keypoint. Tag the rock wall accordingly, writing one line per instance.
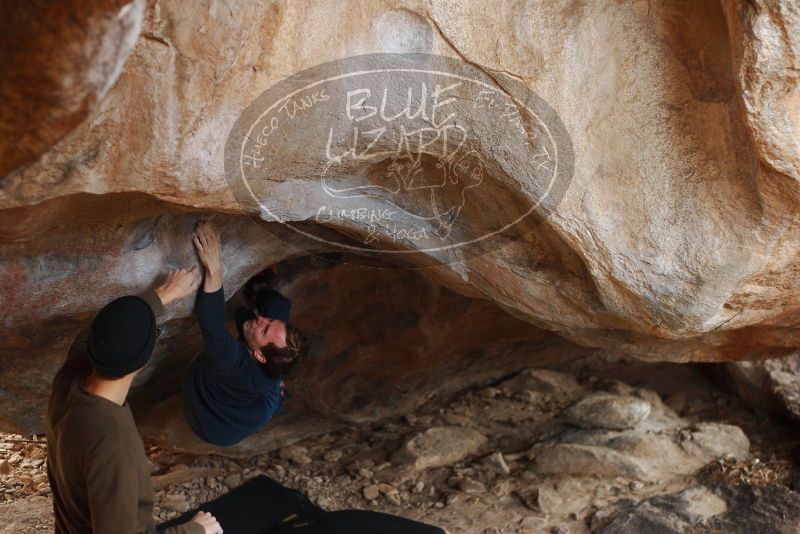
(382, 342)
(769, 385)
(675, 240)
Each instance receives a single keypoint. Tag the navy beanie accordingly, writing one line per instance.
(273, 305)
(122, 337)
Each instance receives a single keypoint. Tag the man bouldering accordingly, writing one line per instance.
(96, 463)
(233, 388)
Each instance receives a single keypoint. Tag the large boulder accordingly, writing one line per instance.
(769, 385)
(382, 342)
(732, 509)
(634, 436)
(60, 59)
(672, 235)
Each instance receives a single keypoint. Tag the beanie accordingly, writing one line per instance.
(122, 337)
(273, 305)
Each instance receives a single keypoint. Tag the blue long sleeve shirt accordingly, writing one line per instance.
(227, 394)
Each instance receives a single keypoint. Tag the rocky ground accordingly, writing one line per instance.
(599, 446)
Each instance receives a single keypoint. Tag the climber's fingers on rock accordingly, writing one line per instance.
(197, 243)
(211, 235)
(205, 229)
(186, 276)
(199, 231)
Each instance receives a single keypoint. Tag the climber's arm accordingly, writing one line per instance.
(221, 349)
(178, 284)
(206, 241)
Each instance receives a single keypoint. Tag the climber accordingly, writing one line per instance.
(234, 387)
(96, 463)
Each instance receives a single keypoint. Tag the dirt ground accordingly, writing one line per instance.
(495, 485)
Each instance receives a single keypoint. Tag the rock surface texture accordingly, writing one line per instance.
(676, 237)
(771, 385)
(482, 478)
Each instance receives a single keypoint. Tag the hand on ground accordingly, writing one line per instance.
(208, 522)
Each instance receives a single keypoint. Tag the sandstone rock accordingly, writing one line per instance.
(359, 465)
(621, 295)
(301, 460)
(177, 467)
(371, 493)
(764, 39)
(457, 420)
(735, 509)
(751, 508)
(27, 515)
(713, 440)
(676, 512)
(387, 489)
(154, 467)
(396, 474)
(503, 488)
(771, 385)
(530, 497)
(344, 339)
(394, 499)
(59, 61)
(497, 463)
(533, 523)
(640, 453)
(588, 460)
(232, 480)
(5, 468)
(469, 485)
(605, 411)
(545, 381)
(566, 497)
(181, 476)
(292, 451)
(440, 446)
(175, 502)
(332, 456)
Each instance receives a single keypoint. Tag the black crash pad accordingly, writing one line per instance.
(263, 506)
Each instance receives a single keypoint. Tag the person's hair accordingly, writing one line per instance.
(282, 361)
(257, 284)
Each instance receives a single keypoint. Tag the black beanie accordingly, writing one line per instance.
(122, 337)
(273, 305)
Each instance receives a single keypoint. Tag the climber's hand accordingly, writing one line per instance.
(178, 284)
(206, 241)
(208, 522)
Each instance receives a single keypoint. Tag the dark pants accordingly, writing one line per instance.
(262, 506)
